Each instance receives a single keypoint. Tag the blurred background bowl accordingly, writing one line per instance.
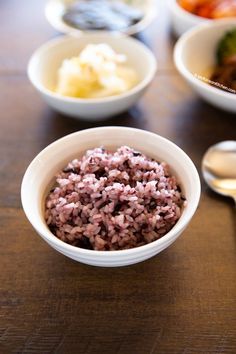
(45, 62)
(40, 176)
(55, 9)
(195, 58)
(182, 20)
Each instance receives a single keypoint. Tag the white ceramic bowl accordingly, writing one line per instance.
(195, 58)
(45, 62)
(181, 19)
(55, 9)
(39, 178)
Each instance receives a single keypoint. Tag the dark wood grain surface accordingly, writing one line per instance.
(181, 301)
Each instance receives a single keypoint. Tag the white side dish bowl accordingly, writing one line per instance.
(195, 59)
(39, 177)
(45, 62)
(181, 19)
(55, 8)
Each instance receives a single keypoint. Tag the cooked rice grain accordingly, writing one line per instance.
(113, 200)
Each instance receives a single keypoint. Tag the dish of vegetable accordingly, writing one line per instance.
(225, 72)
(212, 9)
(127, 16)
(101, 15)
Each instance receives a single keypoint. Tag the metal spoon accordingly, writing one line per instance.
(219, 168)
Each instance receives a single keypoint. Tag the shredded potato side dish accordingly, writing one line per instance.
(97, 72)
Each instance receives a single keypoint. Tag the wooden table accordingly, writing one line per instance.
(181, 301)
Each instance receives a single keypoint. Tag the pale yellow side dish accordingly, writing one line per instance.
(97, 72)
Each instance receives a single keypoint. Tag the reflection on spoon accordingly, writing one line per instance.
(219, 168)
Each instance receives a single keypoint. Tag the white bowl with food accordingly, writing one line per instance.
(117, 205)
(129, 17)
(195, 57)
(186, 14)
(181, 19)
(78, 77)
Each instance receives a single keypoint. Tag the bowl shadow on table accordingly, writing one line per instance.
(58, 125)
(143, 39)
(131, 282)
(172, 36)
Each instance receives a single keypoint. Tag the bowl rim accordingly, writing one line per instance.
(182, 42)
(39, 226)
(61, 26)
(76, 100)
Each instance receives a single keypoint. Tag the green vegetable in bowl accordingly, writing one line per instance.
(226, 47)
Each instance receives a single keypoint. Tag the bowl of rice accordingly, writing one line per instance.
(110, 196)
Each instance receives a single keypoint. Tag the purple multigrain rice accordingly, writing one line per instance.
(113, 200)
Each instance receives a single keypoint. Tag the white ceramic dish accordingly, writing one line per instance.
(55, 9)
(40, 175)
(183, 20)
(195, 57)
(45, 62)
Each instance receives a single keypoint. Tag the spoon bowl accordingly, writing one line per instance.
(219, 168)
